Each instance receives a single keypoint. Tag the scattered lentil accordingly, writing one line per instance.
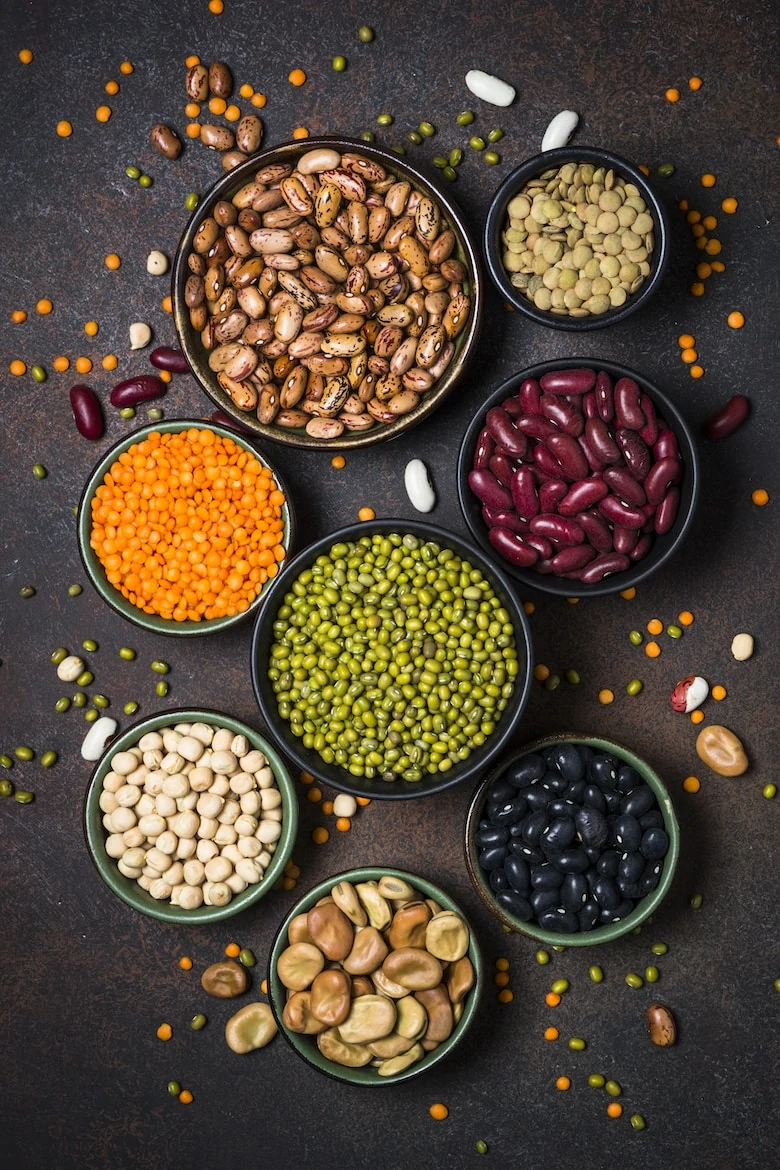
(614, 1109)
(185, 1096)
(672, 95)
(551, 1033)
(708, 180)
(563, 1083)
(760, 497)
(691, 783)
(735, 320)
(185, 962)
(606, 696)
(652, 650)
(320, 835)
(64, 129)
(164, 1032)
(439, 1112)
(729, 205)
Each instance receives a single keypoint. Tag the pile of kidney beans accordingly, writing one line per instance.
(576, 474)
(571, 838)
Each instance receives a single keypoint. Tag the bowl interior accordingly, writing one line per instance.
(600, 934)
(197, 356)
(126, 888)
(663, 546)
(306, 1046)
(94, 568)
(497, 218)
(338, 777)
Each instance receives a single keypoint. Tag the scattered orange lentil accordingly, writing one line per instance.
(502, 964)
(695, 83)
(296, 77)
(693, 216)
(193, 59)
(327, 808)
(166, 304)
(572, 600)
(300, 132)
(245, 90)
(264, 987)
(366, 514)
(164, 1032)
(216, 7)
(652, 650)
(696, 371)
(703, 270)
(439, 1112)
(25, 56)
(697, 231)
(91, 328)
(710, 222)
(729, 205)
(563, 1083)
(760, 497)
(232, 113)
(691, 784)
(541, 672)
(217, 105)
(529, 607)
(697, 289)
(112, 261)
(718, 692)
(614, 1109)
(644, 169)
(192, 129)
(735, 320)
(689, 355)
(259, 100)
(672, 95)
(44, 306)
(343, 824)
(232, 950)
(505, 995)
(306, 778)
(606, 696)
(552, 999)
(18, 316)
(83, 365)
(655, 626)
(697, 716)
(628, 594)
(64, 129)
(685, 618)
(192, 109)
(363, 800)
(17, 368)
(165, 375)
(713, 247)
(185, 1096)
(686, 340)
(61, 364)
(292, 870)
(551, 1033)
(110, 361)
(289, 883)
(111, 87)
(501, 978)
(338, 461)
(103, 113)
(320, 835)
(718, 266)
(708, 180)
(126, 67)
(314, 795)
(185, 962)
(683, 205)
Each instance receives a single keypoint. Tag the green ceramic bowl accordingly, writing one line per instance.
(126, 888)
(601, 934)
(306, 1046)
(97, 574)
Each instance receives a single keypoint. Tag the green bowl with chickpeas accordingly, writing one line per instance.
(190, 816)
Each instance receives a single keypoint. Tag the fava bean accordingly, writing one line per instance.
(721, 750)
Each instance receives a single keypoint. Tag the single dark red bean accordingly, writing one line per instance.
(543, 476)
(505, 433)
(486, 488)
(513, 407)
(485, 447)
(165, 357)
(619, 513)
(556, 528)
(513, 547)
(666, 513)
(142, 388)
(524, 492)
(603, 566)
(649, 432)
(634, 451)
(628, 412)
(530, 395)
(642, 547)
(545, 459)
(599, 438)
(551, 494)
(563, 413)
(605, 398)
(543, 566)
(225, 420)
(582, 495)
(596, 465)
(725, 421)
(660, 478)
(576, 381)
(574, 465)
(502, 469)
(589, 405)
(624, 540)
(569, 560)
(536, 427)
(540, 543)
(500, 518)
(87, 412)
(666, 444)
(624, 485)
(596, 530)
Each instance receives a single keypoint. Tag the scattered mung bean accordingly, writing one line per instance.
(652, 974)
(6, 788)
(90, 645)
(637, 1121)
(477, 143)
(160, 667)
(6, 761)
(596, 1081)
(491, 157)
(573, 677)
(427, 129)
(27, 591)
(74, 590)
(542, 958)
(162, 688)
(85, 678)
(577, 1044)
(634, 980)
(769, 791)
(465, 118)
(91, 715)
(635, 637)
(49, 759)
(384, 120)
(38, 373)
(246, 957)
(559, 986)
(79, 699)
(613, 1088)
(62, 704)
(174, 1088)
(365, 34)
(634, 687)
(127, 653)
(198, 1021)
(481, 1147)
(24, 797)
(674, 631)
(130, 708)
(39, 471)
(339, 64)
(24, 753)
(456, 156)
(100, 701)
(59, 655)
(596, 974)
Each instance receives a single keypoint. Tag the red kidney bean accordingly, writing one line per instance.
(660, 478)
(589, 405)
(551, 494)
(558, 529)
(544, 476)
(513, 407)
(649, 432)
(624, 485)
(540, 543)
(524, 493)
(605, 398)
(634, 451)
(543, 566)
(505, 433)
(600, 441)
(594, 464)
(642, 547)
(545, 459)
(165, 357)
(486, 488)
(87, 412)
(725, 421)
(569, 560)
(666, 513)
(142, 388)
(563, 413)
(603, 566)
(486, 445)
(596, 530)
(536, 427)
(619, 513)
(628, 412)
(624, 539)
(576, 381)
(582, 495)
(530, 395)
(513, 547)
(567, 451)
(225, 420)
(666, 444)
(498, 518)
(502, 469)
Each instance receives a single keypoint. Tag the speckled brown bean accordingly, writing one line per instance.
(661, 1025)
(197, 83)
(220, 79)
(225, 979)
(249, 133)
(217, 137)
(165, 140)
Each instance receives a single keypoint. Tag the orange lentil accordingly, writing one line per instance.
(44, 306)
(110, 361)
(541, 672)
(232, 113)
(83, 365)
(718, 692)
(232, 950)
(760, 497)
(710, 222)
(652, 650)
(17, 368)
(292, 870)
(64, 129)
(25, 56)
(685, 618)
(628, 594)
(103, 113)
(164, 1032)
(529, 607)
(693, 216)
(166, 304)
(193, 59)
(126, 67)
(245, 90)
(217, 105)
(306, 778)
(165, 375)
(296, 77)
(18, 316)
(264, 987)
(614, 1109)
(185, 1096)
(192, 109)
(259, 100)
(729, 205)
(606, 696)
(708, 180)
(683, 205)
(703, 270)
(314, 795)
(697, 289)
(289, 883)
(735, 320)
(439, 1112)
(366, 514)
(206, 530)
(691, 784)
(300, 132)
(718, 266)
(363, 800)
(501, 978)
(572, 600)
(185, 962)
(563, 1083)
(701, 242)
(697, 231)
(655, 626)
(61, 364)
(320, 835)
(502, 964)
(695, 83)
(689, 355)
(552, 999)
(644, 169)
(216, 7)
(338, 461)
(551, 1033)
(672, 95)
(91, 328)
(696, 371)
(111, 87)
(505, 995)
(112, 261)
(697, 717)
(192, 129)
(343, 824)
(686, 340)
(713, 247)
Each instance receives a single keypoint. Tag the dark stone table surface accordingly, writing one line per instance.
(85, 980)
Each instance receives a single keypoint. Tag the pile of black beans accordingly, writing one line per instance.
(571, 838)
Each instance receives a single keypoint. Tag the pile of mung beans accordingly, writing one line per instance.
(392, 657)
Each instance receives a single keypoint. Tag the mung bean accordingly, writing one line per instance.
(133, 172)
(366, 34)
(596, 974)
(89, 644)
(577, 1044)
(27, 591)
(481, 1147)
(246, 957)
(559, 986)
(666, 170)
(440, 161)
(6, 761)
(659, 948)
(427, 129)
(652, 974)
(456, 156)
(127, 412)
(477, 143)
(449, 173)
(634, 687)
(542, 958)
(552, 682)
(49, 759)
(192, 200)
(559, 950)
(572, 676)
(414, 137)
(39, 471)
(145, 181)
(465, 118)
(384, 120)
(596, 1081)
(24, 797)
(130, 708)
(495, 135)
(339, 64)
(79, 699)
(491, 157)
(24, 753)
(635, 638)
(62, 704)
(38, 373)
(91, 715)
(154, 414)
(85, 678)
(162, 688)
(100, 701)
(160, 667)
(174, 1088)
(59, 655)
(674, 631)
(6, 788)
(127, 653)
(769, 791)
(637, 1121)
(368, 136)
(613, 1088)
(198, 1021)
(696, 902)
(74, 590)
(634, 980)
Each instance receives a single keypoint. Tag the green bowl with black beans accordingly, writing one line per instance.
(392, 659)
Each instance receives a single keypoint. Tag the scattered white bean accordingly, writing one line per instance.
(418, 486)
(742, 647)
(96, 739)
(140, 335)
(489, 88)
(70, 668)
(560, 130)
(344, 805)
(156, 263)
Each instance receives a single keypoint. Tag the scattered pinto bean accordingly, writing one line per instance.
(87, 412)
(166, 140)
(728, 419)
(661, 1025)
(142, 388)
(167, 358)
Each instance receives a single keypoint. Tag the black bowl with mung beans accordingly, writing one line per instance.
(392, 659)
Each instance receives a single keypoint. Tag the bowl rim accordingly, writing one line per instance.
(95, 571)
(638, 571)
(613, 930)
(465, 342)
(126, 888)
(334, 775)
(536, 165)
(298, 1041)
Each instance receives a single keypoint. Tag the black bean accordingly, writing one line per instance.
(592, 852)
(639, 801)
(495, 835)
(509, 813)
(575, 791)
(562, 807)
(498, 880)
(654, 843)
(515, 904)
(529, 853)
(591, 824)
(593, 797)
(623, 908)
(555, 783)
(516, 830)
(652, 820)
(627, 832)
(542, 900)
(574, 891)
(571, 861)
(627, 778)
(612, 800)
(546, 876)
(560, 920)
(588, 916)
(518, 874)
(606, 893)
(586, 754)
(568, 761)
(484, 823)
(603, 771)
(492, 858)
(649, 879)
(559, 833)
(525, 770)
(500, 792)
(536, 797)
(630, 869)
(607, 864)
(533, 827)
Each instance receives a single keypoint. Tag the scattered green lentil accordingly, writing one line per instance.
(449, 173)
(613, 1088)
(552, 682)
(634, 980)
(696, 902)
(133, 172)
(634, 687)
(6, 788)
(74, 590)
(542, 958)
(427, 129)
(635, 638)
(127, 412)
(368, 136)
(572, 676)
(477, 143)
(559, 986)
(38, 373)
(596, 974)
(130, 708)
(465, 118)
(145, 181)
(154, 413)
(6, 761)
(62, 704)
(160, 667)
(659, 948)
(366, 34)
(24, 753)
(127, 653)
(577, 1044)
(652, 974)
(100, 701)
(674, 631)
(174, 1088)
(440, 161)
(192, 200)
(414, 137)
(27, 591)
(637, 1121)
(85, 678)
(666, 170)
(49, 759)
(247, 958)
(384, 120)
(24, 797)
(339, 64)
(58, 655)
(90, 644)
(39, 471)
(491, 158)
(769, 791)
(481, 1147)
(456, 156)
(199, 1021)
(596, 1081)
(161, 690)
(91, 715)
(79, 699)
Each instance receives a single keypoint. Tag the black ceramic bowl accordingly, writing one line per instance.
(663, 547)
(497, 221)
(331, 773)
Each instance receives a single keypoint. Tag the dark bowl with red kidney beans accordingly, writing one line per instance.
(572, 840)
(579, 477)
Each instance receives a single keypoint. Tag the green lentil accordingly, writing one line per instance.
(573, 677)
(384, 120)
(659, 948)
(637, 1121)
(481, 1147)
(777, 981)
(559, 986)
(62, 704)
(145, 181)
(477, 143)
(154, 413)
(91, 715)
(542, 958)
(27, 591)
(24, 753)
(577, 1044)
(635, 637)
(613, 1088)
(49, 759)
(634, 980)
(652, 974)
(465, 118)
(191, 200)
(495, 135)
(38, 373)
(199, 1021)
(127, 412)
(769, 791)
(427, 129)
(59, 655)
(74, 590)
(696, 902)
(368, 136)
(491, 158)
(634, 687)
(339, 64)
(366, 34)
(6, 762)
(90, 644)
(101, 701)
(674, 631)
(85, 678)
(39, 471)
(130, 708)
(246, 957)
(440, 161)
(24, 797)
(666, 170)
(449, 173)
(596, 974)
(6, 788)
(596, 1081)
(456, 156)
(414, 137)
(174, 1088)
(552, 682)
(160, 667)
(162, 688)
(133, 172)
(127, 653)
(79, 699)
